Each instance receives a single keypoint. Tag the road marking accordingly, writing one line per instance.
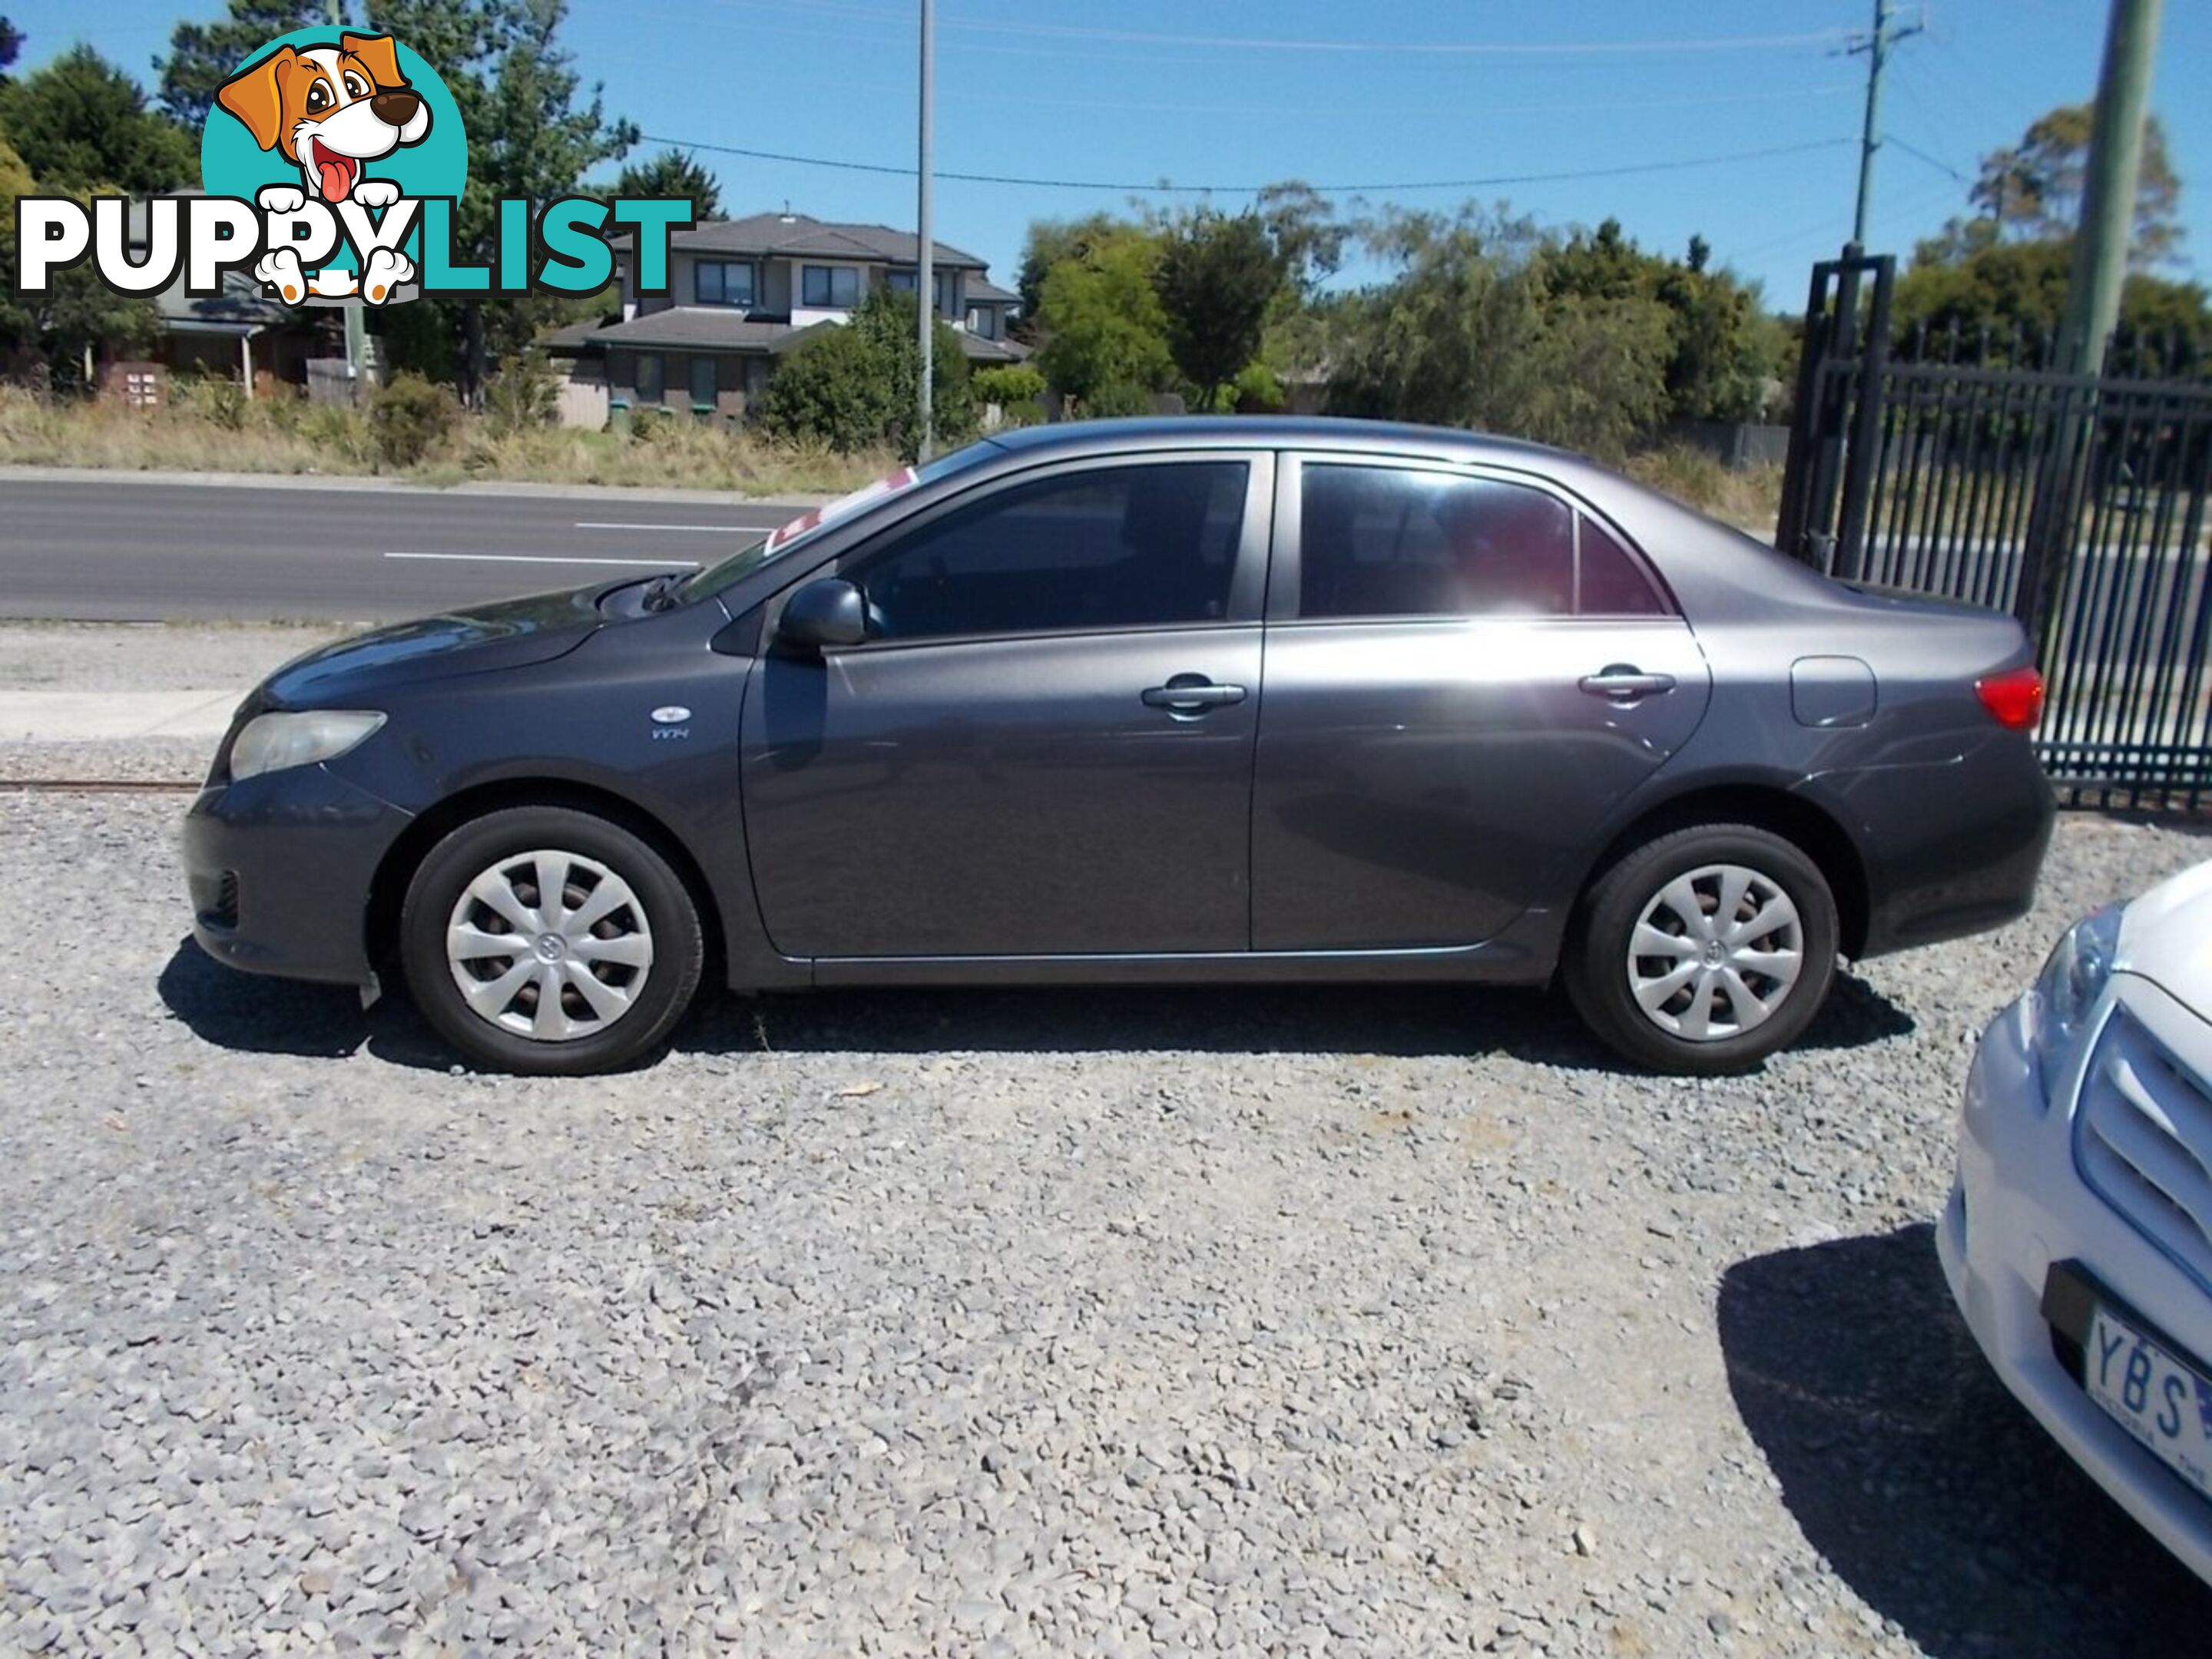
(696, 529)
(544, 558)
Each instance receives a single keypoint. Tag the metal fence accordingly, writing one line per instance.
(1968, 469)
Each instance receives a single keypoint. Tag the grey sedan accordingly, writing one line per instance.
(1198, 701)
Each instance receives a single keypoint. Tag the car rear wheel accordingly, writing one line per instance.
(547, 940)
(1705, 950)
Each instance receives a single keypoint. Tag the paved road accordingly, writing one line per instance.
(122, 550)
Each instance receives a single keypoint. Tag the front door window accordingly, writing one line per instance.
(1143, 546)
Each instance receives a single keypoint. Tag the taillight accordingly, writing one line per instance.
(2015, 697)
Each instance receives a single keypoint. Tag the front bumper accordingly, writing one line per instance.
(2017, 1208)
(279, 868)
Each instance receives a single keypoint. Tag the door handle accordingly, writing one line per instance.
(1625, 683)
(1190, 694)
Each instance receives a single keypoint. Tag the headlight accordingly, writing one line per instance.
(268, 742)
(2072, 979)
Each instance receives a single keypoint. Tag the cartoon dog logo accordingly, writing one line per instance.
(332, 110)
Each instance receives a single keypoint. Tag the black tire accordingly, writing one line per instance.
(658, 907)
(1599, 965)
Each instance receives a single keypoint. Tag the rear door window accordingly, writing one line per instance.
(1409, 541)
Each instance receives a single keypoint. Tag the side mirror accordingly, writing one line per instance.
(831, 611)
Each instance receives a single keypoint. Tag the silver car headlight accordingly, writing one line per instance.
(2072, 978)
(268, 742)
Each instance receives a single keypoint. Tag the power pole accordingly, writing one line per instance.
(1876, 47)
(925, 290)
(2093, 302)
(356, 327)
(2108, 191)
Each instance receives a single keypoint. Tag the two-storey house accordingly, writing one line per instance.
(742, 293)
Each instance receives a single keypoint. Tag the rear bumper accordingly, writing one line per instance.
(279, 868)
(1952, 848)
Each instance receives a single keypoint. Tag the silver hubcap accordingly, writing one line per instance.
(550, 946)
(1716, 953)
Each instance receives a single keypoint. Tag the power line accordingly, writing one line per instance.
(1461, 112)
(1073, 32)
(1163, 186)
(1919, 155)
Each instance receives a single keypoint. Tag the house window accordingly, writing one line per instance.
(835, 288)
(703, 384)
(725, 282)
(651, 369)
(905, 282)
(983, 322)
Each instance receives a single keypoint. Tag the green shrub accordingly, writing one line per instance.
(1115, 398)
(831, 390)
(217, 399)
(335, 429)
(409, 417)
(1257, 392)
(1008, 385)
(521, 396)
(856, 387)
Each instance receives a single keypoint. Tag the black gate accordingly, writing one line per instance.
(2079, 503)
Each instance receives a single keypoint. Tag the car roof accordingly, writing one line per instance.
(1272, 431)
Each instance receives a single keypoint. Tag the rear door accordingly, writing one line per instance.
(1467, 671)
(1048, 749)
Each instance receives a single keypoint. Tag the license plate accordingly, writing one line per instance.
(2159, 1398)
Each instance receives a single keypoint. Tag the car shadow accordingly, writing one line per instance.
(1919, 1479)
(261, 1015)
(264, 1015)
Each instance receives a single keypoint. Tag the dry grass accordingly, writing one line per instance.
(210, 427)
(1750, 499)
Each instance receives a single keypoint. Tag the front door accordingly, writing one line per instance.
(1045, 746)
(1465, 675)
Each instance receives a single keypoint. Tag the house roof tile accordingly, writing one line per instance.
(795, 235)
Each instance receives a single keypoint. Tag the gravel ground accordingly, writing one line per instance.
(1364, 1321)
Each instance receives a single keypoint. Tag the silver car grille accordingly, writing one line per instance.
(2142, 1140)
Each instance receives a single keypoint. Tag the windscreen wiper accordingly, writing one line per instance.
(660, 592)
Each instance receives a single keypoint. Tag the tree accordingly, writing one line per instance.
(81, 123)
(2005, 300)
(1050, 241)
(2032, 192)
(1722, 349)
(854, 386)
(11, 48)
(1217, 277)
(1105, 332)
(530, 135)
(1307, 234)
(79, 315)
(1476, 328)
(202, 56)
(673, 173)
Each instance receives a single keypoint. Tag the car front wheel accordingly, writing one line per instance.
(547, 940)
(1705, 950)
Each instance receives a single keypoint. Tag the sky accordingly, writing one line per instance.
(1735, 119)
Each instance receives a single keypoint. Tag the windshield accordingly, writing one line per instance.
(727, 573)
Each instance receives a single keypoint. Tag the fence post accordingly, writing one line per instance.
(1864, 459)
(1793, 521)
(2047, 555)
